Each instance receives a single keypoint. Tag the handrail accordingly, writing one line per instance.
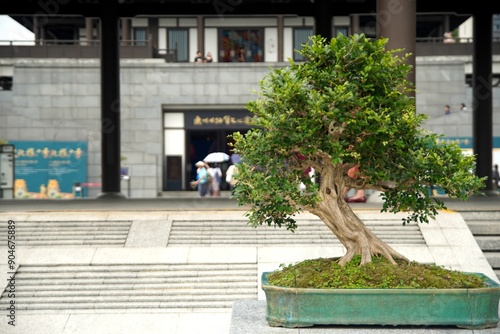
(428, 46)
(40, 42)
(140, 42)
(44, 42)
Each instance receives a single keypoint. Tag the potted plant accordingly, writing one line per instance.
(348, 114)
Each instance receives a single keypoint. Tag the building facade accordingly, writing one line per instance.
(174, 112)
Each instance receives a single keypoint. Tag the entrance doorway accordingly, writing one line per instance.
(202, 142)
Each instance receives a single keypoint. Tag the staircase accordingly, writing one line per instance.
(485, 226)
(176, 287)
(55, 233)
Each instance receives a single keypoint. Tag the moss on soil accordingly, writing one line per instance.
(326, 273)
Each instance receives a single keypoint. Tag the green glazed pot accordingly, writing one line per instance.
(465, 308)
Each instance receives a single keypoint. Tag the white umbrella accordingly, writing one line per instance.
(216, 157)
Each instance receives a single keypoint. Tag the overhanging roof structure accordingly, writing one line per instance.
(130, 8)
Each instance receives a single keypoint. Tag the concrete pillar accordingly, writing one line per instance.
(482, 94)
(397, 21)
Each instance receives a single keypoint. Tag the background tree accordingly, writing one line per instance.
(345, 112)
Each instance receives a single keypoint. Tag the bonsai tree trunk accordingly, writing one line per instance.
(347, 227)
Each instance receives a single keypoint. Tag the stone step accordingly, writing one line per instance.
(171, 306)
(69, 236)
(111, 291)
(136, 267)
(493, 259)
(267, 231)
(71, 242)
(56, 229)
(161, 297)
(242, 224)
(127, 286)
(280, 241)
(488, 227)
(481, 215)
(52, 226)
(488, 243)
(187, 281)
(197, 232)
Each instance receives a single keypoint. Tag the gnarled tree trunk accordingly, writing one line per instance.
(349, 229)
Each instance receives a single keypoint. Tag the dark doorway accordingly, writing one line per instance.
(202, 142)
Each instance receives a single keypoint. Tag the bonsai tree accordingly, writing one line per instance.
(346, 112)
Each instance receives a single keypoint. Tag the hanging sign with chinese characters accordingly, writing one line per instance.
(217, 119)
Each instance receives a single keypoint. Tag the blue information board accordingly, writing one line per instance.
(48, 169)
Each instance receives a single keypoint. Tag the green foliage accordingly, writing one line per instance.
(348, 105)
(326, 273)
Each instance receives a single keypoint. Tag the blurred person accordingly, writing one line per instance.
(201, 179)
(199, 57)
(230, 176)
(241, 55)
(358, 197)
(215, 180)
(447, 110)
(448, 37)
(208, 57)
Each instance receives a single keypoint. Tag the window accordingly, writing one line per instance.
(177, 39)
(300, 37)
(140, 36)
(341, 31)
(241, 45)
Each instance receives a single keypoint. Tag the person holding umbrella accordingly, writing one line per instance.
(215, 173)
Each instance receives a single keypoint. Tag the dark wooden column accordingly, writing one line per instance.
(89, 30)
(279, 43)
(200, 23)
(125, 30)
(153, 32)
(323, 19)
(397, 21)
(355, 24)
(482, 95)
(110, 104)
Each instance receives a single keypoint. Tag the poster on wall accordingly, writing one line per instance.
(48, 169)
